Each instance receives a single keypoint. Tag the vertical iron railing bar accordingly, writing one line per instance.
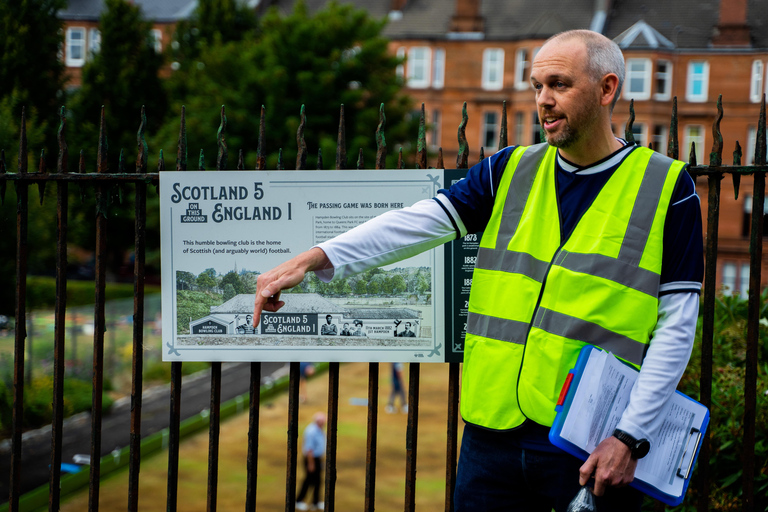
(708, 306)
(17, 421)
(252, 463)
(176, 369)
(174, 438)
(452, 452)
(421, 144)
(60, 312)
(102, 199)
(214, 426)
(629, 134)
(462, 159)
(253, 437)
(503, 130)
(372, 437)
(137, 366)
(412, 436)
(332, 434)
(293, 436)
(753, 318)
(301, 154)
(334, 368)
(673, 147)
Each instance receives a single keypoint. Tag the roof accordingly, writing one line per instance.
(685, 24)
(161, 11)
(294, 303)
(380, 313)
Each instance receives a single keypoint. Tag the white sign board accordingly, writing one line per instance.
(221, 229)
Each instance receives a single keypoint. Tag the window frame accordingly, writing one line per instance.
(693, 78)
(76, 62)
(157, 39)
(644, 75)
(698, 139)
(422, 64)
(438, 68)
(493, 69)
(490, 128)
(756, 81)
(664, 77)
(522, 64)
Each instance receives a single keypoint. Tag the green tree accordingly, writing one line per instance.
(398, 283)
(205, 281)
(185, 280)
(32, 73)
(229, 291)
(212, 20)
(123, 77)
(233, 279)
(333, 57)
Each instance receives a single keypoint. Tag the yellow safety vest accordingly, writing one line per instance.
(536, 301)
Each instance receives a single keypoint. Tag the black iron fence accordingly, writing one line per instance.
(101, 182)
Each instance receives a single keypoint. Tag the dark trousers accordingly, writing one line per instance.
(495, 474)
(311, 479)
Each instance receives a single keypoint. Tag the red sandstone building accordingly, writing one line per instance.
(480, 52)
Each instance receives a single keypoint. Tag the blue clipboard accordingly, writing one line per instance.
(686, 461)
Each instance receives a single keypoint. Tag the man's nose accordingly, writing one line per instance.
(544, 97)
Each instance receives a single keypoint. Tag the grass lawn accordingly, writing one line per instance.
(351, 454)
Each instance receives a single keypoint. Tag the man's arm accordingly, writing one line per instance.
(286, 275)
(610, 463)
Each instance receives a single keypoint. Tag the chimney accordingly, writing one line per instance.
(398, 5)
(732, 29)
(467, 17)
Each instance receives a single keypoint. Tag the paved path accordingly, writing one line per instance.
(155, 416)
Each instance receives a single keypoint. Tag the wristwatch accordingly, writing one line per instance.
(638, 448)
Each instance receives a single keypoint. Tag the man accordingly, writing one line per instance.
(586, 240)
(313, 448)
(345, 331)
(328, 328)
(358, 331)
(247, 327)
(406, 332)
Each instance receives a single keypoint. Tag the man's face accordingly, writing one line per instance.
(567, 98)
(407, 326)
(328, 319)
(248, 319)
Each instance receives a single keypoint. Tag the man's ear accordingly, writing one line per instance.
(608, 86)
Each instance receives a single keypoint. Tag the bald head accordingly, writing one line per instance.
(603, 56)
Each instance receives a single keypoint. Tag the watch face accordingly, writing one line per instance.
(641, 449)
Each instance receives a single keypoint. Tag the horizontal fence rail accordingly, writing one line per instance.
(101, 184)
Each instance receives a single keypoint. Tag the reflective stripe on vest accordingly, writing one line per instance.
(529, 314)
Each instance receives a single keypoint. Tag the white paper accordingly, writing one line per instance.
(600, 400)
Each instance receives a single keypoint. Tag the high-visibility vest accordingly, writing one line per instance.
(536, 300)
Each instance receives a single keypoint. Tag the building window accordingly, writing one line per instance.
(519, 128)
(536, 135)
(698, 81)
(156, 36)
(434, 130)
(744, 281)
(746, 218)
(640, 134)
(400, 70)
(521, 69)
(746, 223)
(660, 139)
(418, 67)
(728, 284)
(94, 41)
(663, 78)
(490, 131)
(694, 134)
(438, 68)
(756, 82)
(75, 56)
(493, 69)
(638, 81)
(749, 155)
